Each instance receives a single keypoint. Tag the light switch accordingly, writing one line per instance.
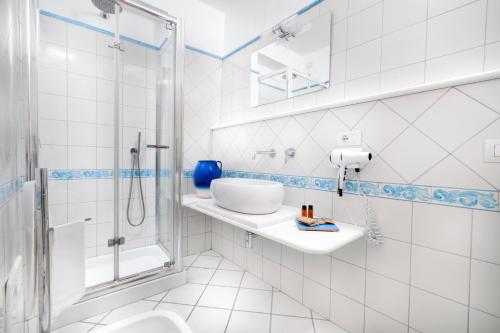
(492, 150)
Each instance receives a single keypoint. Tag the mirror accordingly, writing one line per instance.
(296, 62)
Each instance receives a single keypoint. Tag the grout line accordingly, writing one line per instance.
(410, 266)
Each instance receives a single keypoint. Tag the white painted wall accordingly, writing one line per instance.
(248, 19)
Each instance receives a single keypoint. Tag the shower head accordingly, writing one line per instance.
(106, 6)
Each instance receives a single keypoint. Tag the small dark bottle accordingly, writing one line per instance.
(310, 212)
(304, 211)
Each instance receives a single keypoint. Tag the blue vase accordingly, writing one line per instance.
(203, 174)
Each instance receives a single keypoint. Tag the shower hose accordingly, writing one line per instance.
(136, 168)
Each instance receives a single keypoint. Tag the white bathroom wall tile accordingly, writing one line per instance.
(81, 62)
(364, 26)
(81, 38)
(450, 172)
(457, 30)
(52, 81)
(455, 65)
(394, 218)
(347, 313)
(52, 132)
(337, 7)
(483, 322)
(271, 250)
(82, 190)
(82, 211)
(52, 56)
(317, 268)
(53, 157)
(284, 305)
(292, 259)
(52, 107)
(410, 107)
(403, 77)
(441, 273)
(316, 297)
(471, 153)
(308, 155)
(399, 14)
(58, 214)
(339, 36)
(379, 171)
(485, 287)
(492, 57)
(483, 92)
(81, 157)
(326, 131)
(391, 259)
(354, 253)
(294, 196)
(105, 68)
(252, 282)
(404, 47)
(105, 91)
(493, 24)
(351, 114)
(437, 7)
(348, 280)
(52, 30)
(431, 313)
(349, 208)
(363, 60)
(411, 154)
(321, 201)
(358, 5)
(82, 110)
(135, 75)
(58, 192)
(254, 263)
(271, 273)
(387, 296)
(81, 86)
(81, 134)
(485, 234)
(325, 326)
(292, 283)
(443, 228)
(377, 322)
(380, 126)
(465, 117)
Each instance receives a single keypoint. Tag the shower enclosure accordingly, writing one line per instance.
(110, 130)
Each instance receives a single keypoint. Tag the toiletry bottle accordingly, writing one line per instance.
(304, 211)
(310, 212)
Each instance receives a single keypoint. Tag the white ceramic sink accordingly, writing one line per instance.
(249, 196)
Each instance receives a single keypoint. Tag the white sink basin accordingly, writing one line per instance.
(249, 196)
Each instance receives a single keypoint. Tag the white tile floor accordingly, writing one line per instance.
(220, 297)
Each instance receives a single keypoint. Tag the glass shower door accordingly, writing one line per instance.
(146, 219)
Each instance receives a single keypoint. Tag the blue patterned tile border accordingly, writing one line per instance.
(10, 188)
(466, 198)
(71, 174)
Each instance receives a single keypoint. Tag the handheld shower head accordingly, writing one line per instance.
(107, 6)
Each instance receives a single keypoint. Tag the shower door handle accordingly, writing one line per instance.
(158, 146)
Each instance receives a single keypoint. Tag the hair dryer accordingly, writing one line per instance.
(349, 158)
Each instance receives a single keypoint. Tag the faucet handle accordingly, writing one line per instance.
(289, 153)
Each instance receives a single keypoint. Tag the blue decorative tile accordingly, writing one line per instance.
(9, 189)
(466, 198)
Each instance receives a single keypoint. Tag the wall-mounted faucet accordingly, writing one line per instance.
(289, 153)
(270, 152)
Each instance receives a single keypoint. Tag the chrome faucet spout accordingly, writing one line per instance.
(271, 153)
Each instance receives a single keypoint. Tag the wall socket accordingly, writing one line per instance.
(352, 138)
(492, 150)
